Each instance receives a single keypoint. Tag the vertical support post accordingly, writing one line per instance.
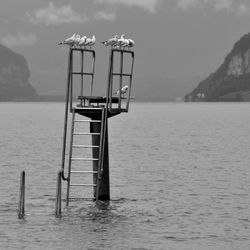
(110, 80)
(21, 206)
(71, 79)
(121, 78)
(93, 73)
(67, 101)
(81, 74)
(70, 155)
(130, 80)
(104, 186)
(58, 210)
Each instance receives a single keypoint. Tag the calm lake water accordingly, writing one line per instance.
(180, 179)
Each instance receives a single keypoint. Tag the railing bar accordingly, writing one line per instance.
(83, 185)
(87, 120)
(87, 172)
(120, 74)
(21, 207)
(70, 155)
(84, 159)
(59, 194)
(86, 133)
(82, 73)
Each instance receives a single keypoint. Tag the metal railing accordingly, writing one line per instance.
(121, 75)
(69, 92)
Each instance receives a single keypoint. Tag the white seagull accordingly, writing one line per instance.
(124, 89)
(131, 43)
(125, 43)
(111, 42)
(90, 41)
(69, 41)
(82, 41)
(77, 40)
(121, 41)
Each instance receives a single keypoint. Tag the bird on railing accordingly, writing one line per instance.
(124, 89)
(125, 43)
(121, 41)
(77, 40)
(69, 41)
(82, 41)
(131, 43)
(111, 42)
(90, 41)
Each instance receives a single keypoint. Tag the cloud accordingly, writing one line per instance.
(102, 15)
(222, 4)
(243, 10)
(232, 6)
(19, 40)
(216, 4)
(188, 4)
(52, 15)
(148, 5)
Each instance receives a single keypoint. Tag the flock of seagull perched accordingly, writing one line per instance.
(116, 42)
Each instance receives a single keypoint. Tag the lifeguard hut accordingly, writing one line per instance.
(85, 153)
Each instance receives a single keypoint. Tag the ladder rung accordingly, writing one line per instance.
(87, 121)
(118, 74)
(81, 198)
(78, 133)
(87, 108)
(85, 146)
(82, 73)
(83, 172)
(83, 185)
(84, 159)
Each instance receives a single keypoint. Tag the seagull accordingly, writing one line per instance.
(125, 43)
(82, 41)
(77, 40)
(131, 43)
(90, 41)
(69, 41)
(111, 42)
(121, 41)
(123, 90)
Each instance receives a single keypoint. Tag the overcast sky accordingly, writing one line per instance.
(174, 38)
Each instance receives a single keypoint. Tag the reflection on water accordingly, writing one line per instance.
(180, 179)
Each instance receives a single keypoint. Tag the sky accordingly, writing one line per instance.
(174, 38)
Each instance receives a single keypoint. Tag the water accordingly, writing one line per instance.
(180, 179)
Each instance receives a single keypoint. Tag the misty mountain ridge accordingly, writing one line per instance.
(15, 85)
(14, 77)
(231, 81)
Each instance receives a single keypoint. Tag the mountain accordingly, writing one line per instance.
(231, 81)
(14, 77)
(163, 89)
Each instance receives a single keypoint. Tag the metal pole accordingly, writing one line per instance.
(68, 99)
(93, 73)
(59, 194)
(130, 80)
(121, 78)
(21, 207)
(109, 85)
(81, 75)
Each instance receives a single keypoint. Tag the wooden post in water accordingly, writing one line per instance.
(21, 204)
(58, 210)
(104, 187)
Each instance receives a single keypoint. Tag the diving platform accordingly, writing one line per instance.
(86, 121)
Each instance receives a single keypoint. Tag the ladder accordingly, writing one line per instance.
(77, 172)
(85, 140)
